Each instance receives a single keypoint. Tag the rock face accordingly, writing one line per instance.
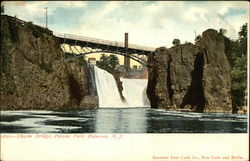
(217, 79)
(34, 74)
(191, 76)
(117, 77)
(165, 88)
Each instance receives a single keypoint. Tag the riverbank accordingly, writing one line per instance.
(95, 108)
(207, 111)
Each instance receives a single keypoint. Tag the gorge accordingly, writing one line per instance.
(34, 75)
(41, 92)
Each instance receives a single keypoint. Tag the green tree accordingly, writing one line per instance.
(135, 67)
(222, 31)
(176, 42)
(239, 69)
(239, 81)
(113, 61)
(108, 63)
(103, 62)
(243, 32)
(198, 39)
(242, 40)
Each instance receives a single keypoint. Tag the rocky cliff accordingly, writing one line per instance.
(34, 74)
(195, 77)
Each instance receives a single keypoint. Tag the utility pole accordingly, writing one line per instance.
(194, 34)
(46, 15)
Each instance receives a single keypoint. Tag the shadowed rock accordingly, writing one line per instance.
(196, 75)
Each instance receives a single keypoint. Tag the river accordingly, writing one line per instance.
(121, 120)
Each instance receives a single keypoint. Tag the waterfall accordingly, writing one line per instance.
(134, 91)
(107, 89)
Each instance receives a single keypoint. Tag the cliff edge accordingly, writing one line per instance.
(34, 75)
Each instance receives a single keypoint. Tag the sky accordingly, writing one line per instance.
(149, 23)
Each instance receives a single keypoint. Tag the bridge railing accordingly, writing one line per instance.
(102, 41)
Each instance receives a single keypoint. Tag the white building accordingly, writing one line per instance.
(92, 61)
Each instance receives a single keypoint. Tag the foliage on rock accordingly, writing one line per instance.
(176, 42)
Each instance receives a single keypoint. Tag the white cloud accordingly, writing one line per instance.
(194, 14)
(108, 8)
(222, 10)
(71, 4)
(158, 25)
(29, 10)
(25, 10)
(153, 8)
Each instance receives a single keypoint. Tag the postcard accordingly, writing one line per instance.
(124, 80)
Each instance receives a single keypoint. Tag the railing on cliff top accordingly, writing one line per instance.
(89, 39)
(102, 41)
(22, 22)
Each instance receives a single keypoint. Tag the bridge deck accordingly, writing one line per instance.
(102, 44)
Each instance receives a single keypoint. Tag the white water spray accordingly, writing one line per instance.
(134, 91)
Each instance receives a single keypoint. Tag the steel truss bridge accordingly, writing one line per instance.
(81, 46)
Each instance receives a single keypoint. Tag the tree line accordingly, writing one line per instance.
(108, 63)
(237, 56)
